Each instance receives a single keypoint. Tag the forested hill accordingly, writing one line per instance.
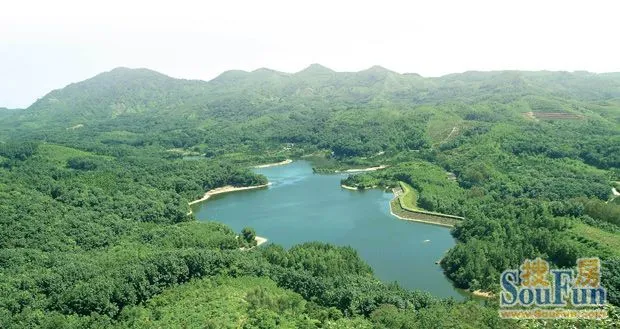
(347, 112)
(125, 91)
(95, 179)
(118, 92)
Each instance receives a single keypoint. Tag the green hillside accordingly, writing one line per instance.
(95, 230)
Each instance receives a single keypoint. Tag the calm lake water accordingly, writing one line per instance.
(301, 206)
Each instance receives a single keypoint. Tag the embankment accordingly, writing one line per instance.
(420, 216)
(399, 208)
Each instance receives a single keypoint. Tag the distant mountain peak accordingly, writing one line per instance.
(264, 72)
(379, 69)
(123, 69)
(129, 73)
(316, 68)
(231, 76)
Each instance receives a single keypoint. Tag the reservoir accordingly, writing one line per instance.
(301, 206)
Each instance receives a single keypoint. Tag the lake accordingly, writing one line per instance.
(301, 206)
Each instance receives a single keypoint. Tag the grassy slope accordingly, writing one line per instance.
(398, 210)
(409, 198)
(597, 238)
(407, 202)
(224, 302)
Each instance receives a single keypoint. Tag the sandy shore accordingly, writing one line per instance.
(259, 240)
(226, 189)
(348, 187)
(281, 163)
(480, 293)
(365, 169)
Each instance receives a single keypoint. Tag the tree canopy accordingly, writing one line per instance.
(95, 180)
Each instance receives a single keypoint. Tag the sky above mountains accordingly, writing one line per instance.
(46, 45)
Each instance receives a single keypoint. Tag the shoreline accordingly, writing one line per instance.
(418, 220)
(259, 241)
(401, 211)
(281, 163)
(348, 187)
(353, 188)
(262, 240)
(226, 189)
(480, 293)
(362, 169)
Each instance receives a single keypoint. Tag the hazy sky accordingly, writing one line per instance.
(46, 45)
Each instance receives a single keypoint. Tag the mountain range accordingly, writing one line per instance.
(124, 95)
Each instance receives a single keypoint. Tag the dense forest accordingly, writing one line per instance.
(95, 180)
